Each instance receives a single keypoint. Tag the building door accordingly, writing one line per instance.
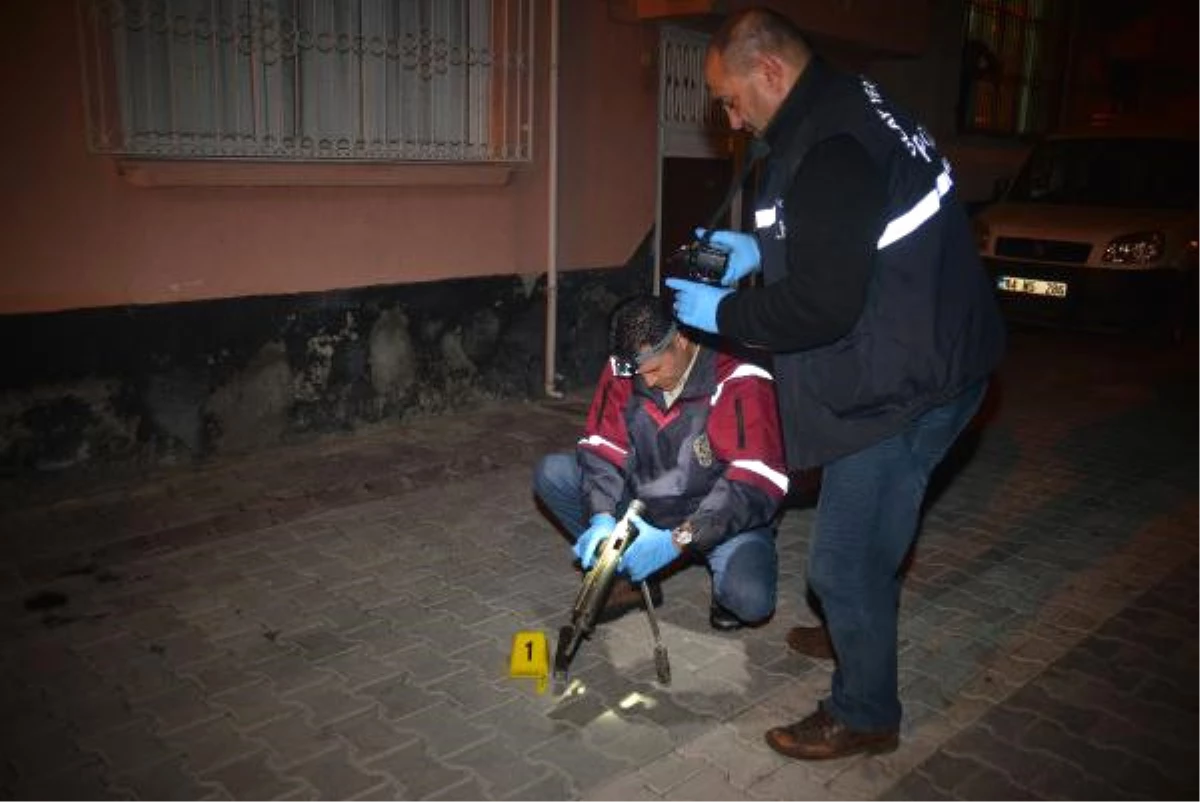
(697, 153)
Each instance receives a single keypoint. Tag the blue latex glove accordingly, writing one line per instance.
(602, 526)
(696, 304)
(650, 551)
(744, 257)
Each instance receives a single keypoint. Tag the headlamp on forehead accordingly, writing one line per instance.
(626, 364)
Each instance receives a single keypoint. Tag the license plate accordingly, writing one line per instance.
(1032, 286)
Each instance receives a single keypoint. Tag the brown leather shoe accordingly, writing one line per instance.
(811, 642)
(822, 737)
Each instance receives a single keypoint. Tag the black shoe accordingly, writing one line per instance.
(625, 596)
(722, 620)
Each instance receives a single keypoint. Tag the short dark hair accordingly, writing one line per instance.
(752, 31)
(638, 322)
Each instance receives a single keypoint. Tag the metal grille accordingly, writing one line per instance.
(1012, 65)
(683, 97)
(309, 80)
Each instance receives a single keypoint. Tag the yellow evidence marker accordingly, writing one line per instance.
(530, 657)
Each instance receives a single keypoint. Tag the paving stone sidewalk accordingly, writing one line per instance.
(333, 621)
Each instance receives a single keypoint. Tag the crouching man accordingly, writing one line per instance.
(694, 434)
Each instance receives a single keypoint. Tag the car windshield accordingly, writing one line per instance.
(1126, 173)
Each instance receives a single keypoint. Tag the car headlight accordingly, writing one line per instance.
(1141, 248)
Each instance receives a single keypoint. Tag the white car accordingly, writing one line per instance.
(1098, 230)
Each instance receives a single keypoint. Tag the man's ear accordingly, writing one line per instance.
(771, 67)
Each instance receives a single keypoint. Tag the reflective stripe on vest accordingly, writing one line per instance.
(924, 209)
(598, 442)
(764, 470)
(900, 226)
(740, 372)
(764, 218)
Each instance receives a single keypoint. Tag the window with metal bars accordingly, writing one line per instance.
(309, 80)
(1012, 66)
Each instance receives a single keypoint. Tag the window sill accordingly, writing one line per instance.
(156, 173)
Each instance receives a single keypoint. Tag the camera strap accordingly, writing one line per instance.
(756, 150)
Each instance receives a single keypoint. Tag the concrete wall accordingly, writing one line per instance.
(76, 234)
(175, 323)
(1136, 62)
(878, 25)
(928, 86)
(141, 385)
(884, 26)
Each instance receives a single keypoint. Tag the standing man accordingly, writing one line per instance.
(884, 332)
(692, 433)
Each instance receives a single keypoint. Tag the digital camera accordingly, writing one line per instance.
(699, 261)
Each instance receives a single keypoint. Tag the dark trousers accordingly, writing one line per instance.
(867, 518)
(744, 568)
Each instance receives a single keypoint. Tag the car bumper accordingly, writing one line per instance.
(1094, 298)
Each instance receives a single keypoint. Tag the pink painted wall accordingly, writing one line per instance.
(608, 134)
(75, 234)
(885, 26)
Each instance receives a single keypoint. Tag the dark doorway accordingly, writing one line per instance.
(692, 190)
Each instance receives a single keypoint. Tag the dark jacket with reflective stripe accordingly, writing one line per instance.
(714, 458)
(929, 326)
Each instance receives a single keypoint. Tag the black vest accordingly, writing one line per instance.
(930, 326)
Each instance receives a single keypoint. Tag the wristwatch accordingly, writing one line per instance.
(682, 535)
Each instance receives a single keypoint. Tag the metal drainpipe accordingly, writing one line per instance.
(549, 359)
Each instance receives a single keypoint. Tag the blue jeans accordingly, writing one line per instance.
(744, 568)
(867, 518)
